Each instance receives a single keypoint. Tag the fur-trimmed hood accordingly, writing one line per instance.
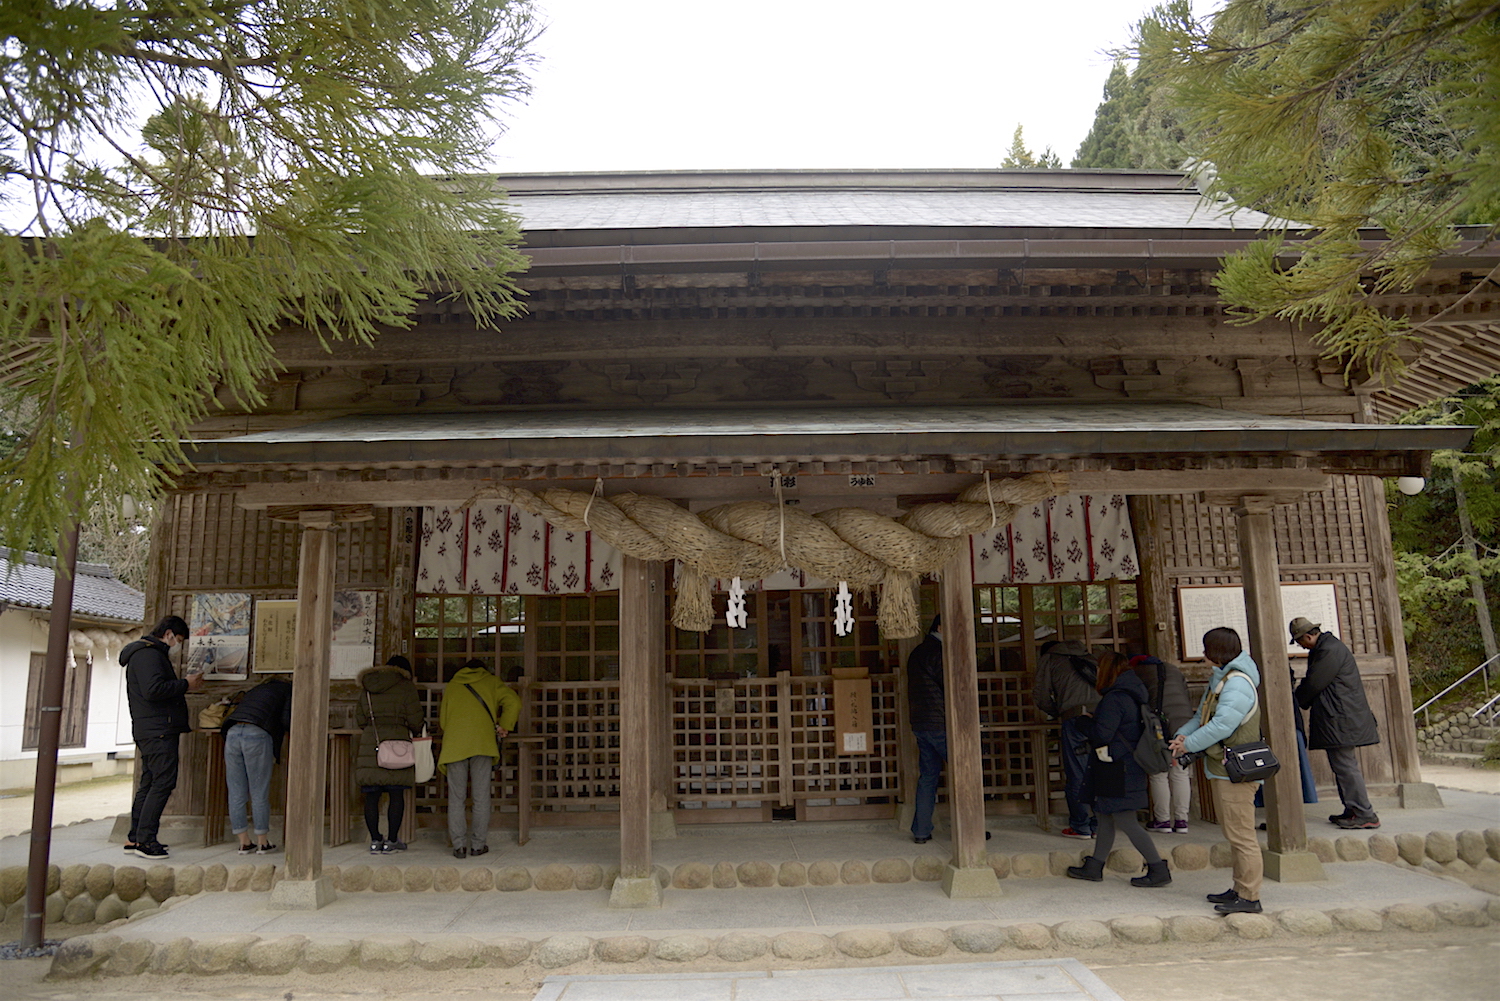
(382, 678)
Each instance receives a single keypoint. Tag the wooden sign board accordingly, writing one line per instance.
(275, 636)
(1201, 607)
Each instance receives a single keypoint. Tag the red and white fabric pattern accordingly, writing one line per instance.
(499, 549)
(1067, 539)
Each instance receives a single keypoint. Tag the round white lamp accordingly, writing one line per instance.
(1410, 485)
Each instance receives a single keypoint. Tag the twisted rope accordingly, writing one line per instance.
(754, 539)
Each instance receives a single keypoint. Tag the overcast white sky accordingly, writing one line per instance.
(695, 84)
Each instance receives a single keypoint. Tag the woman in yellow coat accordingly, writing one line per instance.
(478, 711)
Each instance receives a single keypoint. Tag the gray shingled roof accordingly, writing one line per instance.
(974, 208)
(97, 592)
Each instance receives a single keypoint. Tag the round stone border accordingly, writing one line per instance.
(107, 955)
(99, 894)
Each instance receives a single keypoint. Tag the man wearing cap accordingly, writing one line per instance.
(1340, 721)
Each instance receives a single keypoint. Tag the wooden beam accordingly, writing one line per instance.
(961, 682)
(309, 735)
(286, 499)
(641, 614)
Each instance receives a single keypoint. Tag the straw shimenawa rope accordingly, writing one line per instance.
(754, 539)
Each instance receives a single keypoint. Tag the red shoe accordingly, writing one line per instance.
(1068, 832)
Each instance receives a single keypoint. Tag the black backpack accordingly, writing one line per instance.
(1151, 751)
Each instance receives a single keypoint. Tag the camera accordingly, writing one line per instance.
(1185, 760)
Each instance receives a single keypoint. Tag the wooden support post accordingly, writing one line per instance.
(641, 605)
(968, 874)
(1155, 593)
(1287, 857)
(1401, 728)
(305, 887)
(663, 822)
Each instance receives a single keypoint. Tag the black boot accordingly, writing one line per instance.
(1157, 874)
(1091, 870)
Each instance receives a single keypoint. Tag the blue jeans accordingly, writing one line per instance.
(249, 756)
(1073, 750)
(932, 754)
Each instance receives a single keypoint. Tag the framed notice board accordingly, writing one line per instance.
(1201, 607)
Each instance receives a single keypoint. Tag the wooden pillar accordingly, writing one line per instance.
(641, 605)
(1287, 857)
(305, 887)
(1401, 728)
(663, 824)
(968, 874)
(1155, 593)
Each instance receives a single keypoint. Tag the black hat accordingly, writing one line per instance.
(399, 661)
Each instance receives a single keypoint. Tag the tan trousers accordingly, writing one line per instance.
(1235, 804)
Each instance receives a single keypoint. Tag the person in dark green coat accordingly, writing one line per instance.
(388, 709)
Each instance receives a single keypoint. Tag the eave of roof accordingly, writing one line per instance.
(26, 582)
(1054, 430)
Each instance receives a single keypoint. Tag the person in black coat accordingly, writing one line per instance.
(927, 712)
(252, 746)
(158, 716)
(1340, 720)
(1116, 784)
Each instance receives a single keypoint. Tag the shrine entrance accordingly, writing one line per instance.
(750, 734)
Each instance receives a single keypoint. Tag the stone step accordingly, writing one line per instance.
(1469, 745)
(1460, 759)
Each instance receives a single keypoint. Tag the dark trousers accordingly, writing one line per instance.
(158, 757)
(1073, 749)
(932, 753)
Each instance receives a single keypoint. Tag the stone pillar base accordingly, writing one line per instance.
(663, 825)
(963, 884)
(1419, 796)
(638, 892)
(302, 894)
(1292, 867)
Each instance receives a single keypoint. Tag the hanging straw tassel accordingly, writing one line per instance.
(694, 608)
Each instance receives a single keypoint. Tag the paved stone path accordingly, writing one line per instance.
(1022, 980)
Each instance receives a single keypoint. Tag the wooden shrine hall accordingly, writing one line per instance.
(1008, 396)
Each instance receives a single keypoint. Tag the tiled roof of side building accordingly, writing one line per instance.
(26, 580)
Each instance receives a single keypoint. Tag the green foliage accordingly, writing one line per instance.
(1108, 141)
(1342, 116)
(1139, 126)
(1021, 158)
(1434, 569)
(179, 181)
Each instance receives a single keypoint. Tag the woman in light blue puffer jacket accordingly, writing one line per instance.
(1228, 715)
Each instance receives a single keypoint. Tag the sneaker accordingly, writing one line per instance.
(245, 849)
(481, 850)
(131, 846)
(1334, 818)
(920, 841)
(1369, 823)
(1179, 827)
(1160, 825)
(1238, 906)
(1227, 897)
(151, 851)
(265, 849)
(377, 847)
(395, 846)
(460, 853)
(1068, 832)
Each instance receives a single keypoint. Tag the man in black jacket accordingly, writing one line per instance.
(1340, 720)
(927, 710)
(1064, 690)
(158, 715)
(252, 746)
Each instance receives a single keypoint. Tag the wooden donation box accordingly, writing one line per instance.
(852, 710)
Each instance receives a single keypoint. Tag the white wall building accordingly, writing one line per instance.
(107, 614)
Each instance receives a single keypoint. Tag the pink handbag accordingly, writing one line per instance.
(392, 754)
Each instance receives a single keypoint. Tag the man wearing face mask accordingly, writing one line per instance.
(158, 716)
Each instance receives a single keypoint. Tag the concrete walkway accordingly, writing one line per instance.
(1021, 980)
